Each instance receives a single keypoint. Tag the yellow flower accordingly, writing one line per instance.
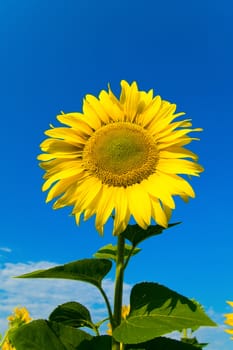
(7, 345)
(121, 157)
(124, 313)
(20, 316)
(17, 319)
(229, 320)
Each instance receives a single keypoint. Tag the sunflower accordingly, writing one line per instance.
(120, 158)
(229, 320)
(20, 316)
(124, 313)
(17, 319)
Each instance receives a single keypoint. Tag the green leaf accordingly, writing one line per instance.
(161, 343)
(72, 314)
(156, 310)
(135, 234)
(86, 270)
(41, 334)
(103, 342)
(46, 335)
(110, 252)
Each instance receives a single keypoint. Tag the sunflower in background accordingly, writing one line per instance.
(17, 319)
(229, 320)
(120, 156)
(124, 313)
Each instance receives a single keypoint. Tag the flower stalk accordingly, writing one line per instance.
(119, 278)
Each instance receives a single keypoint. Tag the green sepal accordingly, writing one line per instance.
(72, 314)
(46, 335)
(161, 343)
(109, 251)
(135, 234)
(86, 270)
(156, 310)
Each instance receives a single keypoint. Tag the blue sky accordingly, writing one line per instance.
(55, 52)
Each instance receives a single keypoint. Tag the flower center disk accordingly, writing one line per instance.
(120, 154)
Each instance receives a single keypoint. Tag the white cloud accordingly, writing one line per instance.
(214, 336)
(5, 249)
(41, 296)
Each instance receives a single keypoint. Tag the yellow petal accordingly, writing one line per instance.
(114, 110)
(163, 129)
(158, 213)
(67, 199)
(179, 166)
(130, 98)
(67, 134)
(155, 185)
(177, 152)
(139, 205)
(86, 193)
(105, 207)
(45, 158)
(149, 114)
(97, 108)
(89, 213)
(76, 121)
(146, 97)
(64, 174)
(60, 187)
(77, 218)
(177, 185)
(165, 114)
(122, 212)
(163, 126)
(112, 97)
(91, 117)
(175, 135)
(56, 165)
(59, 147)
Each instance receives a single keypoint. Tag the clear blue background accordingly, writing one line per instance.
(52, 54)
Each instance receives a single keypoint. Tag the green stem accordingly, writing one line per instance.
(98, 324)
(96, 330)
(119, 279)
(129, 256)
(185, 334)
(107, 304)
(4, 338)
(93, 327)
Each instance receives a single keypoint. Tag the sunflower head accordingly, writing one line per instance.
(120, 156)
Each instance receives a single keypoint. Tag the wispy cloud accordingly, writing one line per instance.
(214, 336)
(5, 249)
(41, 296)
